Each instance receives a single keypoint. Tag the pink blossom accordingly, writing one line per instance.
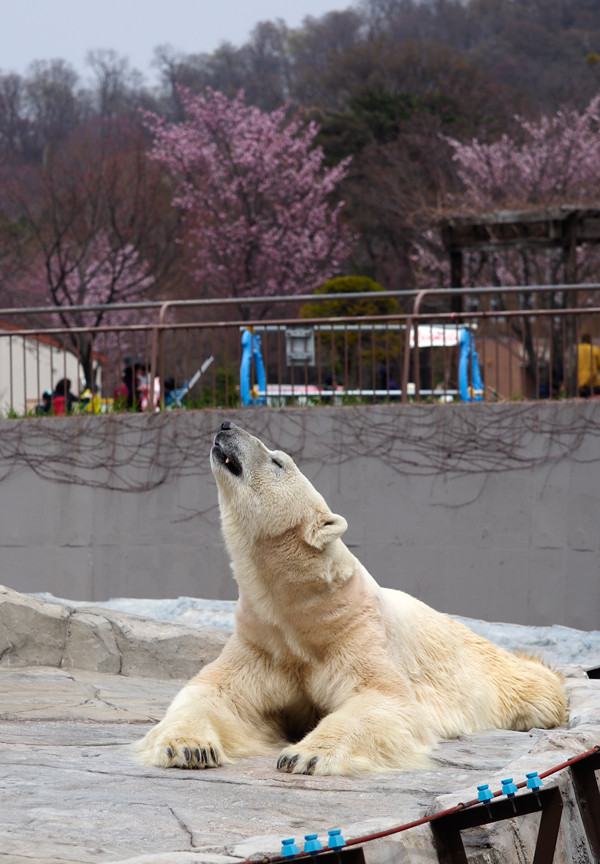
(256, 195)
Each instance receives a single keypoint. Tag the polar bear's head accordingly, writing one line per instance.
(263, 494)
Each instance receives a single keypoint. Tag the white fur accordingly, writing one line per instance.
(337, 674)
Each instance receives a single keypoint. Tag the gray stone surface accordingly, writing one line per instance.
(71, 793)
(36, 631)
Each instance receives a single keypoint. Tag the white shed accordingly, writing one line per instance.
(29, 365)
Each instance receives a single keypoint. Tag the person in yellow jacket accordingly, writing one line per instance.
(588, 364)
(91, 401)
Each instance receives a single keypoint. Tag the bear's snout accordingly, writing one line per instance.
(225, 450)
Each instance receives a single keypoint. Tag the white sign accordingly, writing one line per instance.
(436, 335)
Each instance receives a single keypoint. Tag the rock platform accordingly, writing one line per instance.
(80, 684)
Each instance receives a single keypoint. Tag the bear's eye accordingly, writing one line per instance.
(277, 462)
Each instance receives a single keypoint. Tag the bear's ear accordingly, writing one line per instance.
(326, 528)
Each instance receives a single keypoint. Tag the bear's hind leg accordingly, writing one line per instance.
(537, 698)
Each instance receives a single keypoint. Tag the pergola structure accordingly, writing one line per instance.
(565, 228)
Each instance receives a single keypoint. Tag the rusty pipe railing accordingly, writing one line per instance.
(154, 331)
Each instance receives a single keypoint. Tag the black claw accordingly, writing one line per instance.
(213, 755)
(281, 762)
(187, 754)
(170, 752)
(205, 757)
(310, 768)
(198, 756)
(292, 762)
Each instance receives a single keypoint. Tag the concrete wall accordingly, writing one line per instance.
(488, 511)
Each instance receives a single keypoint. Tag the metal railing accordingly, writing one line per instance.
(519, 347)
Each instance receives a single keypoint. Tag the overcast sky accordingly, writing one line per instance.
(68, 29)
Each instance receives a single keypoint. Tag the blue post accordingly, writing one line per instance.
(484, 793)
(470, 385)
(289, 848)
(336, 841)
(533, 781)
(508, 788)
(251, 352)
(312, 845)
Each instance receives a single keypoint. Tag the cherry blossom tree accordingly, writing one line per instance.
(556, 160)
(93, 275)
(91, 226)
(78, 278)
(255, 194)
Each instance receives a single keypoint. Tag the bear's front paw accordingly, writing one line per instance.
(190, 755)
(179, 751)
(296, 763)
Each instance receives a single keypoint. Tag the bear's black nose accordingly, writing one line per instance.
(226, 425)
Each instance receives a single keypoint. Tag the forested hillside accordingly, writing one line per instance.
(391, 84)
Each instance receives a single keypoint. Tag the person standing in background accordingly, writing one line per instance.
(588, 365)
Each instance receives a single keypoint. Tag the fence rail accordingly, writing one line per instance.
(521, 346)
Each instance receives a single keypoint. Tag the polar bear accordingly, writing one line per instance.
(326, 669)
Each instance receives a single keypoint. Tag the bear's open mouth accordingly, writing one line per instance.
(232, 464)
